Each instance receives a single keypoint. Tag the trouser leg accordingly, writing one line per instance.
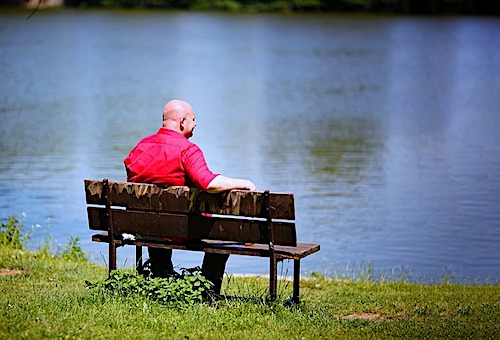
(161, 262)
(213, 269)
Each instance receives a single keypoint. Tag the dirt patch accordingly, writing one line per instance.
(365, 316)
(9, 272)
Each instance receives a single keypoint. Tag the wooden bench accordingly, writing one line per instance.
(235, 222)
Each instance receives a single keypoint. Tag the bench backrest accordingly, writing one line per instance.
(154, 211)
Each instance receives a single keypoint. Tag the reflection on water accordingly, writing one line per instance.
(384, 128)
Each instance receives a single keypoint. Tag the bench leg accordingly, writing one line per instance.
(112, 255)
(273, 278)
(138, 259)
(296, 281)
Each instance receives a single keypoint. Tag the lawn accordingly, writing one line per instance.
(46, 296)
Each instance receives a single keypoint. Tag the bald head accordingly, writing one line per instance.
(179, 116)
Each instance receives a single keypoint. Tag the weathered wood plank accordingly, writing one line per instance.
(150, 223)
(298, 252)
(139, 196)
(185, 199)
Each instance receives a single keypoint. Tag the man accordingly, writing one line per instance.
(169, 158)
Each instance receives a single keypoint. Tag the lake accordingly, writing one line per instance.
(385, 128)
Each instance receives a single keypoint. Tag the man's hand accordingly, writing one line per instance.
(223, 183)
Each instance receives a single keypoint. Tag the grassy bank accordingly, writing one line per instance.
(45, 296)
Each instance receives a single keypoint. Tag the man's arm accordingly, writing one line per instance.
(223, 183)
(197, 170)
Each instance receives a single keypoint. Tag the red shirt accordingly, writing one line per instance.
(168, 158)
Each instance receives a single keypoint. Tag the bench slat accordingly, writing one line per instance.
(190, 200)
(150, 223)
(298, 252)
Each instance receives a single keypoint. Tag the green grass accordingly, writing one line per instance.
(45, 296)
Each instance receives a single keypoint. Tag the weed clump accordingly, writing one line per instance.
(73, 251)
(186, 289)
(12, 234)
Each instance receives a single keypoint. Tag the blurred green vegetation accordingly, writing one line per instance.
(476, 7)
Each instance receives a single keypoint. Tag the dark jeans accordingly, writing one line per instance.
(212, 268)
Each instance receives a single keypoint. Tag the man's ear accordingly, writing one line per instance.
(181, 124)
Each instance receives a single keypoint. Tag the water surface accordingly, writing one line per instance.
(384, 128)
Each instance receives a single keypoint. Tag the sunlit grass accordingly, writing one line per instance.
(45, 296)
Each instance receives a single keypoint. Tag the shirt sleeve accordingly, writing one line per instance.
(196, 168)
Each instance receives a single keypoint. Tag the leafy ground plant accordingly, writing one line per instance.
(189, 288)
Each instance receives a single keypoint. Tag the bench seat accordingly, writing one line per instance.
(218, 246)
